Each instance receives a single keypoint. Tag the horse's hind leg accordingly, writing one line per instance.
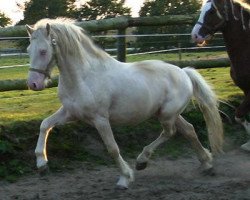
(242, 111)
(103, 127)
(244, 107)
(168, 131)
(203, 154)
(60, 117)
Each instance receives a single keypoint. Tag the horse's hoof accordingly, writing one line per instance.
(122, 183)
(209, 172)
(121, 187)
(141, 166)
(43, 171)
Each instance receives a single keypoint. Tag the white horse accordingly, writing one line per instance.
(101, 91)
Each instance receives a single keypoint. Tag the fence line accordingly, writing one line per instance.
(13, 66)
(175, 49)
(13, 38)
(117, 36)
(179, 49)
(142, 53)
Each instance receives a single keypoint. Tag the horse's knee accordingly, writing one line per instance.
(44, 126)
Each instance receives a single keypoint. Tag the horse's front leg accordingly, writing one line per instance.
(246, 125)
(60, 117)
(104, 129)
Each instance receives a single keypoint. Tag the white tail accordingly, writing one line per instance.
(208, 103)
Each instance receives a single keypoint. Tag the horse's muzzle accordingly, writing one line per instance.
(36, 81)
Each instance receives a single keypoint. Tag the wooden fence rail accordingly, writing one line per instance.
(117, 23)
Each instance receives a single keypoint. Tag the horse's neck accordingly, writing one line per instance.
(237, 40)
(73, 71)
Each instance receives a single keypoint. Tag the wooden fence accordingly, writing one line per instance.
(119, 23)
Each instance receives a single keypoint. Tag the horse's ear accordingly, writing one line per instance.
(48, 29)
(30, 30)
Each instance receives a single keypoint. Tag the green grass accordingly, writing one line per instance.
(175, 56)
(27, 105)
(220, 80)
(14, 60)
(14, 73)
(19, 72)
(5, 44)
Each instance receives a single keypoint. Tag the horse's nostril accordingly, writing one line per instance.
(196, 36)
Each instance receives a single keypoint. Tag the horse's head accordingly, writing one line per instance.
(42, 56)
(211, 19)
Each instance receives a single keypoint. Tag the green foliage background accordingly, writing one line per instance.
(4, 20)
(160, 8)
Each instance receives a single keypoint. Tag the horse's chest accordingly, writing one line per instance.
(78, 108)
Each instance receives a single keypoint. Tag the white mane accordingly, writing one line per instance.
(70, 38)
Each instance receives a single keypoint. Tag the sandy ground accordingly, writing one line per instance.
(163, 179)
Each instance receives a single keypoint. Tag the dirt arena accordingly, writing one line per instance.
(163, 179)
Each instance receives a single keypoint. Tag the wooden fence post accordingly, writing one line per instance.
(121, 45)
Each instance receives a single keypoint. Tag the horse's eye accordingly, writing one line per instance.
(43, 52)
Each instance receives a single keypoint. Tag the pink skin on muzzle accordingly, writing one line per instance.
(195, 36)
(36, 81)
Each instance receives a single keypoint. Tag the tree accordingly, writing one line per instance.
(35, 10)
(161, 8)
(101, 9)
(4, 21)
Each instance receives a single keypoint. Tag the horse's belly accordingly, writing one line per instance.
(133, 112)
(128, 118)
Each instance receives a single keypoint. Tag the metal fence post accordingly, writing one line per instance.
(121, 45)
(179, 51)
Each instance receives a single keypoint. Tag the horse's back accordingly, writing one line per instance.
(162, 73)
(143, 88)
